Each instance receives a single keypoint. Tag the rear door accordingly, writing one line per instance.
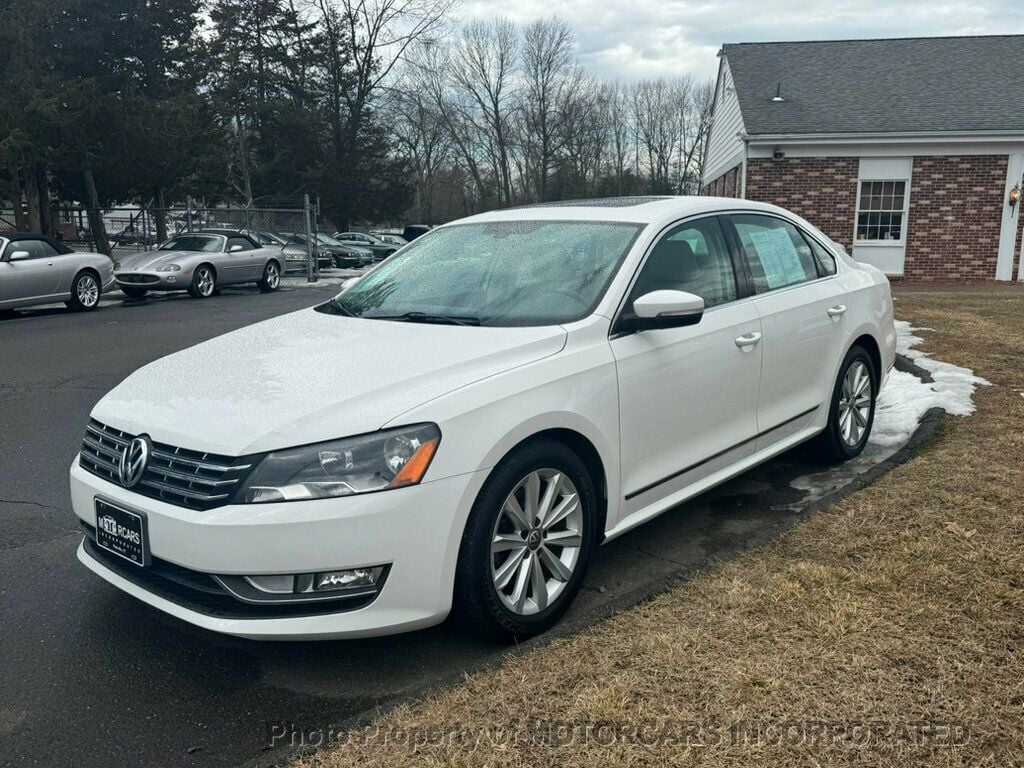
(687, 396)
(802, 311)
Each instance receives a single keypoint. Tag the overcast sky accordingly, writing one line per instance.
(631, 39)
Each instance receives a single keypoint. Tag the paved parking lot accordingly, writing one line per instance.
(95, 678)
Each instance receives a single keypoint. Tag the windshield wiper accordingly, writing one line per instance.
(336, 307)
(423, 317)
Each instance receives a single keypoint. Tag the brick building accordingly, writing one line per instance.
(905, 151)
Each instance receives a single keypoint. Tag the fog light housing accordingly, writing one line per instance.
(353, 578)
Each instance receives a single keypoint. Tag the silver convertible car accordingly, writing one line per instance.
(200, 262)
(37, 270)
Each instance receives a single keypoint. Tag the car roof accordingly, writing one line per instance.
(61, 247)
(639, 210)
(226, 232)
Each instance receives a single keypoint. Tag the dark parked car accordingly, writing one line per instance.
(412, 231)
(380, 248)
(340, 254)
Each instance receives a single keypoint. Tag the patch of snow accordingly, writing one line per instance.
(901, 404)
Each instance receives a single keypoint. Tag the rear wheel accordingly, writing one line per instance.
(133, 291)
(271, 277)
(527, 543)
(204, 282)
(851, 410)
(85, 292)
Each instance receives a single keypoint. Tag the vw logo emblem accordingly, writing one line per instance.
(133, 461)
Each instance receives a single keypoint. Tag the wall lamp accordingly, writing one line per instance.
(1015, 194)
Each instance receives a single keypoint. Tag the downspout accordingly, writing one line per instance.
(743, 170)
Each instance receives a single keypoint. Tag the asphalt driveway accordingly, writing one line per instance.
(92, 677)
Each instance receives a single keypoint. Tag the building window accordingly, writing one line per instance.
(881, 210)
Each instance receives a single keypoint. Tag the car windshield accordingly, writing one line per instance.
(502, 273)
(206, 243)
(328, 240)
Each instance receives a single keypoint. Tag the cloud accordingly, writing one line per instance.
(651, 38)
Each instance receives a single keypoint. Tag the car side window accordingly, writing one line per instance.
(242, 241)
(776, 252)
(825, 261)
(693, 257)
(37, 249)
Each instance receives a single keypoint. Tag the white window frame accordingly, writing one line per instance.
(906, 213)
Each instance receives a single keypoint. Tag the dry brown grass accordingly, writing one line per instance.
(874, 610)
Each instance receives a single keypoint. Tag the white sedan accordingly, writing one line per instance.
(459, 430)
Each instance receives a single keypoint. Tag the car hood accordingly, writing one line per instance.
(154, 259)
(310, 376)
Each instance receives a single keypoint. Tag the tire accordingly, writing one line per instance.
(496, 594)
(849, 426)
(271, 277)
(204, 282)
(85, 292)
(134, 291)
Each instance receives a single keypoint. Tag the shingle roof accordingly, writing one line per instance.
(956, 84)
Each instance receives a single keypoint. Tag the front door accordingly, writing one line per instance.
(687, 396)
(37, 276)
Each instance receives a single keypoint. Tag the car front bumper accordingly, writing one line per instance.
(154, 281)
(414, 531)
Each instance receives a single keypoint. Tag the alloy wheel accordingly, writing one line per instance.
(536, 541)
(87, 291)
(855, 403)
(205, 282)
(273, 276)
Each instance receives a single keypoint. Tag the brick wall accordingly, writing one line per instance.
(956, 206)
(821, 189)
(726, 185)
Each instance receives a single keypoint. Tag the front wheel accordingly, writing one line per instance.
(271, 277)
(527, 543)
(851, 409)
(85, 292)
(204, 282)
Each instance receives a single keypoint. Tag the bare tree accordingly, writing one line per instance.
(482, 70)
(550, 76)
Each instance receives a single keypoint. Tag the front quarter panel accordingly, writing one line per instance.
(575, 389)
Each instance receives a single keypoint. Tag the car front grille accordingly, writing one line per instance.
(138, 279)
(178, 476)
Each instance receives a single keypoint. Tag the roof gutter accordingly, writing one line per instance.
(880, 137)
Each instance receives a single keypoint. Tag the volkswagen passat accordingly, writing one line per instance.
(460, 429)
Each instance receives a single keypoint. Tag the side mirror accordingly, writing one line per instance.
(234, 249)
(20, 256)
(666, 309)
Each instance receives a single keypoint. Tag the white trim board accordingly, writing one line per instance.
(1010, 221)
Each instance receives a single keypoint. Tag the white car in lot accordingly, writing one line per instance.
(460, 429)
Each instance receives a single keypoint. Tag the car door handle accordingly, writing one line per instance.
(748, 339)
(837, 311)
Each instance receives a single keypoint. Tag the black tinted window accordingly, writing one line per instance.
(777, 253)
(694, 258)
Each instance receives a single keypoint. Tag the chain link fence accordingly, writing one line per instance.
(288, 225)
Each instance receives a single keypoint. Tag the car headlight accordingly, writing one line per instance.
(169, 268)
(391, 458)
